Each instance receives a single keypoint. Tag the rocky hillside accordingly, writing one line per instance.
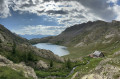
(24, 71)
(109, 68)
(85, 33)
(18, 49)
(7, 37)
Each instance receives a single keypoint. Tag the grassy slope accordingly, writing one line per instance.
(8, 73)
(107, 49)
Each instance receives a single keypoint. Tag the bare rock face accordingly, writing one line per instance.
(92, 76)
(79, 44)
(1, 38)
(28, 71)
(5, 60)
(42, 65)
(108, 71)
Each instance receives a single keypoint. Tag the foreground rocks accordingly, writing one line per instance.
(92, 76)
(42, 65)
(28, 71)
(105, 70)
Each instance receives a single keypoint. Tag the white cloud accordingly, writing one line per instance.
(67, 12)
(4, 9)
(116, 8)
(40, 29)
(113, 1)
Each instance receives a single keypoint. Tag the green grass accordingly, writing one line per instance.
(107, 49)
(116, 76)
(8, 73)
(82, 66)
(59, 72)
(84, 69)
(62, 71)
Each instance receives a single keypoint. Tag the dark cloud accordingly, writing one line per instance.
(4, 10)
(41, 11)
(46, 0)
(96, 8)
(57, 12)
(1, 5)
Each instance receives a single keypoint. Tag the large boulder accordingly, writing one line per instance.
(42, 65)
(5, 60)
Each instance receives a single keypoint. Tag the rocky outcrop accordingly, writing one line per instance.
(5, 60)
(42, 65)
(1, 38)
(108, 71)
(92, 76)
(105, 70)
(28, 71)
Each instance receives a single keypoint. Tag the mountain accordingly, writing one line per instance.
(82, 39)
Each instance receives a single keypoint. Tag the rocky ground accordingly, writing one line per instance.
(109, 68)
(28, 71)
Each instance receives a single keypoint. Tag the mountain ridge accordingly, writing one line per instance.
(75, 30)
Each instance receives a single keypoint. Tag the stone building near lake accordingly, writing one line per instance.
(97, 54)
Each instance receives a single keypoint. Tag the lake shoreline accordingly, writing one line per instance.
(56, 49)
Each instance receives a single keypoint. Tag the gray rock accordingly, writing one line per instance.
(41, 64)
(28, 71)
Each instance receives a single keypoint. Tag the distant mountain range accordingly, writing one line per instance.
(33, 36)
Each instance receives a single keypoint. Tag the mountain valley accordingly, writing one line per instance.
(19, 56)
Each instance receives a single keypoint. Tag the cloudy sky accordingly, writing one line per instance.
(51, 17)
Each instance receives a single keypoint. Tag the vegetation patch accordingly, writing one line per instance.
(8, 73)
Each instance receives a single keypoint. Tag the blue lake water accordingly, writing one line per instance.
(56, 49)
